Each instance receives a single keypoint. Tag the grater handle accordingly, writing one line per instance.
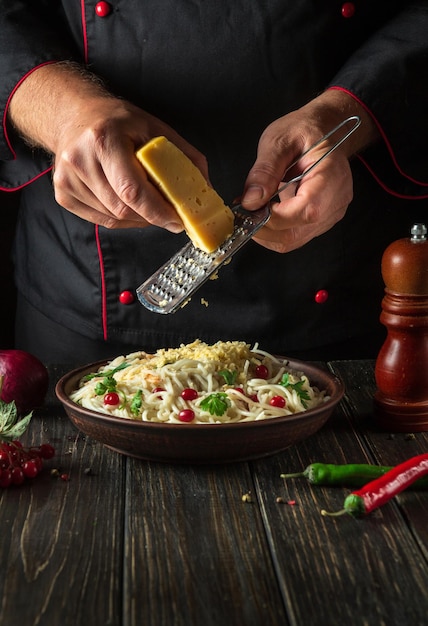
(357, 121)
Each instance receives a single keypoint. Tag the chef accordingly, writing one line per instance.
(243, 88)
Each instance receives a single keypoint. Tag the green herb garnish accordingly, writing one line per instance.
(216, 403)
(297, 387)
(107, 374)
(137, 402)
(107, 385)
(229, 377)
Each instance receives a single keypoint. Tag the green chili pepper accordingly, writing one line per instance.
(353, 475)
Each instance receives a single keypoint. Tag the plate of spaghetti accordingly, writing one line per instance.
(199, 403)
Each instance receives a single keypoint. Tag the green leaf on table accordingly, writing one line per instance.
(11, 427)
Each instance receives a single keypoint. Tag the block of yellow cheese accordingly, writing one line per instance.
(206, 219)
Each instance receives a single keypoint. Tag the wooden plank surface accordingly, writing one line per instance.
(195, 551)
(62, 541)
(127, 542)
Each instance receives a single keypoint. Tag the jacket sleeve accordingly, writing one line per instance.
(32, 33)
(389, 76)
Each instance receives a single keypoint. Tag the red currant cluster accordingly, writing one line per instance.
(18, 462)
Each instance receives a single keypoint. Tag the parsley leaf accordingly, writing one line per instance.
(215, 403)
(229, 377)
(136, 402)
(297, 387)
(107, 385)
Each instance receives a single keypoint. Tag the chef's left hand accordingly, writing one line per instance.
(311, 207)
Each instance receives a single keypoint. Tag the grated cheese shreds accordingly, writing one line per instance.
(226, 353)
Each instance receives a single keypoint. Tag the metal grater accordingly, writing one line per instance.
(172, 286)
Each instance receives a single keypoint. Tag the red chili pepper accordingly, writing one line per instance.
(382, 489)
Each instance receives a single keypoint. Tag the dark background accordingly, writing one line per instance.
(8, 214)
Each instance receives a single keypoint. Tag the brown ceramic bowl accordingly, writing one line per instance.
(201, 443)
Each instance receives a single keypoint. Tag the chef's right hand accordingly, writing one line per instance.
(93, 138)
(97, 176)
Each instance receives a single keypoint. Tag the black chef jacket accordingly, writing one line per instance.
(219, 73)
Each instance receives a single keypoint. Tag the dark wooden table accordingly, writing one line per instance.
(129, 542)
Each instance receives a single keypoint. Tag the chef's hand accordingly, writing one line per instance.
(93, 137)
(311, 207)
(97, 176)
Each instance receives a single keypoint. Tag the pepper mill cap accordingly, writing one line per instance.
(405, 263)
(418, 232)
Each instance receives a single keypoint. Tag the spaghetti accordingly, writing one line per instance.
(226, 382)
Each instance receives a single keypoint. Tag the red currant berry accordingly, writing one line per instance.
(253, 397)
(189, 394)
(277, 401)
(5, 478)
(33, 452)
(186, 415)
(262, 371)
(65, 477)
(17, 476)
(14, 456)
(4, 459)
(47, 451)
(158, 390)
(30, 468)
(240, 390)
(111, 398)
(6, 449)
(34, 455)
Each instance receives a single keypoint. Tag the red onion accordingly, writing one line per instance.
(23, 378)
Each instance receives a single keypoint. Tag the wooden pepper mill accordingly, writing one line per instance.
(401, 371)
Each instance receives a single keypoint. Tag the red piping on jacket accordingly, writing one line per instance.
(96, 227)
(6, 134)
(84, 31)
(18, 187)
(391, 153)
(103, 282)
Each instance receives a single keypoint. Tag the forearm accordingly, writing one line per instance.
(48, 99)
(332, 107)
